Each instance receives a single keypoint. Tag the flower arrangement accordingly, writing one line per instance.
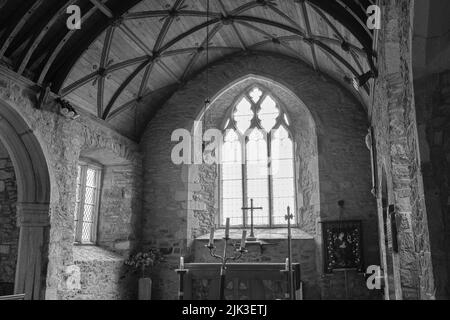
(142, 261)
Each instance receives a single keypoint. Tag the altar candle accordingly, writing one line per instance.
(211, 237)
(227, 228)
(244, 236)
(181, 263)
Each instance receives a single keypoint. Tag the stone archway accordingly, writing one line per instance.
(33, 198)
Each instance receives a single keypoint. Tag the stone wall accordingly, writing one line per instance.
(178, 206)
(9, 233)
(394, 119)
(120, 198)
(100, 274)
(63, 141)
(432, 95)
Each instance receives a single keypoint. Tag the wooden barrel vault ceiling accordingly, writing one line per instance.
(127, 51)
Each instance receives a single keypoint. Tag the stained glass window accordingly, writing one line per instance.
(86, 205)
(257, 162)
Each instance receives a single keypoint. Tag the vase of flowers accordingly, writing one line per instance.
(142, 263)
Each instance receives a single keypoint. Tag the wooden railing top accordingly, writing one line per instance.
(13, 297)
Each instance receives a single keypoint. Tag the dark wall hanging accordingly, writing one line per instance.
(342, 245)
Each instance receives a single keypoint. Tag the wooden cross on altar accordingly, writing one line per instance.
(251, 208)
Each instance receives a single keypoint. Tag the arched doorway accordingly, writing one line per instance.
(33, 198)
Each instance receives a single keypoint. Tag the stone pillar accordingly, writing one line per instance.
(33, 221)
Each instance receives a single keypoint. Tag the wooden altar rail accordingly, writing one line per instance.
(13, 297)
(249, 280)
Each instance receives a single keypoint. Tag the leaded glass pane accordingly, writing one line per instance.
(256, 94)
(257, 177)
(256, 165)
(89, 196)
(86, 233)
(91, 178)
(268, 113)
(232, 179)
(282, 175)
(86, 202)
(280, 209)
(243, 115)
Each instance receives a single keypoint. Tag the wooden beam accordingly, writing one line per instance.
(103, 8)
(203, 45)
(188, 33)
(167, 23)
(308, 34)
(286, 17)
(79, 83)
(338, 12)
(163, 66)
(121, 109)
(164, 13)
(72, 51)
(133, 37)
(353, 48)
(235, 30)
(61, 44)
(103, 64)
(162, 35)
(352, 8)
(123, 87)
(19, 26)
(37, 40)
(145, 79)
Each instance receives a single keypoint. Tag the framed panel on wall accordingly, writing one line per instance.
(342, 245)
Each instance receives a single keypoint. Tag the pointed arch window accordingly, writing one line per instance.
(257, 161)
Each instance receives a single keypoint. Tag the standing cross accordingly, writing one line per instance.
(288, 217)
(251, 208)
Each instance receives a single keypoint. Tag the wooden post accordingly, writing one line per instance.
(33, 219)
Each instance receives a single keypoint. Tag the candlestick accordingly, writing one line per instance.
(244, 236)
(227, 229)
(211, 238)
(181, 263)
(287, 264)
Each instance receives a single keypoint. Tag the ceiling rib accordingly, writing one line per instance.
(241, 9)
(103, 64)
(235, 30)
(349, 14)
(271, 39)
(165, 13)
(124, 85)
(203, 46)
(133, 37)
(144, 81)
(308, 34)
(353, 48)
(237, 19)
(103, 8)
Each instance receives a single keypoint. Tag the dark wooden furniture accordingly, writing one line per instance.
(13, 297)
(244, 281)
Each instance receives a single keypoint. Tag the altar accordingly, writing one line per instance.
(244, 281)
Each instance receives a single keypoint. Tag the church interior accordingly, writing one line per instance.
(224, 149)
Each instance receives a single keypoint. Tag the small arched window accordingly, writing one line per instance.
(257, 162)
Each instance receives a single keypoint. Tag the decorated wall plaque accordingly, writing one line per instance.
(342, 245)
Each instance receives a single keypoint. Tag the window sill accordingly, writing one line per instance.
(85, 253)
(261, 234)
